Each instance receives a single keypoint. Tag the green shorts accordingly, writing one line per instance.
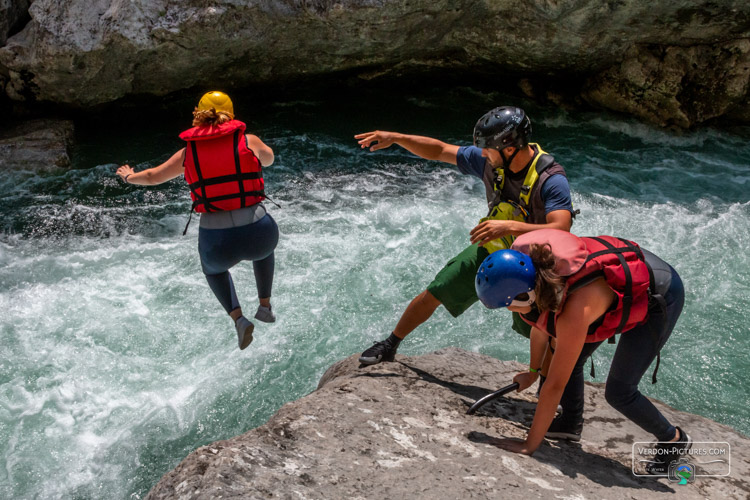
(454, 284)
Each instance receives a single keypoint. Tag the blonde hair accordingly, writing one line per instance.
(203, 117)
(549, 284)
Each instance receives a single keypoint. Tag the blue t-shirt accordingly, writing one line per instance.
(555, 191)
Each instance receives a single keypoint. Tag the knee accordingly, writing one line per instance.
(428, 300)
(619, 394)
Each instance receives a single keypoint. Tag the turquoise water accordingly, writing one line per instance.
(117, 361)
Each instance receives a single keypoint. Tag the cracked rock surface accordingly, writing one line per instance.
(400, 430)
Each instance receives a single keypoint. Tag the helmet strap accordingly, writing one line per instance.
(509, 160)
(524, 303)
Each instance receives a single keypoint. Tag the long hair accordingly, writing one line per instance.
(549, 284)
(210, 117)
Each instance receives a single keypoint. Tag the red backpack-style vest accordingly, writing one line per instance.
(221, 171)
(620, 262)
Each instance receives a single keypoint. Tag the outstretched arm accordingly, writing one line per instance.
(261, 150)
(168, 170)
(424, 147)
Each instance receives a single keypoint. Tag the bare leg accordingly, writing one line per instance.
(235, 314)
(417, 312)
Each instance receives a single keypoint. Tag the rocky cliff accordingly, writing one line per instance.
(400, 430)
(675, 63)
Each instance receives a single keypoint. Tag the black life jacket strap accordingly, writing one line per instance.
(201, 182)
(627, 297)
(657, 299)
(189, 219)
(238, 167)
(231, 196)
(246, 176)
(269, 199)
(656, 369)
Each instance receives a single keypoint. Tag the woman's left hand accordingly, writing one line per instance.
(514, 445)
(124, 171)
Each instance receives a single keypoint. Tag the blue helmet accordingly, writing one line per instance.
(504, 275)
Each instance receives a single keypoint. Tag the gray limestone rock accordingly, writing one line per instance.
(36, 145)
(400, 430)
(670, 62)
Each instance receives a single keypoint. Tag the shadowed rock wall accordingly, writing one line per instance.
(669, 62)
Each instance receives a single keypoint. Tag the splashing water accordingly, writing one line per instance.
(118, 361)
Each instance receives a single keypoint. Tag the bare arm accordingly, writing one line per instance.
(168, 170)
(261, 150)
(538, 349)
(580, 310)
(493, 229)
(424, 147)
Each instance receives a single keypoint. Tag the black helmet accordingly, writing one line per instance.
(503, 127)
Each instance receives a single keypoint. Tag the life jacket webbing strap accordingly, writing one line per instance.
(184, 232)
(230, 197)
(627, 296)
(551, 322)
(533, 175)
(656, 369)
(614, 250)
(238, 168)
(227, 178)
(659, 299)
(201, 182)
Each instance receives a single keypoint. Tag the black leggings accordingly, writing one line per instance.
(635, 351)
(221, 249)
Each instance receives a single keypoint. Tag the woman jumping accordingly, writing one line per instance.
(223, 168)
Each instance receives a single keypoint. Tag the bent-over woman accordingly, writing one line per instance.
(582, 291)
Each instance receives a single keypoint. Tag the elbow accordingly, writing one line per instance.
(265, 156)
(150, 178)
(554, 386)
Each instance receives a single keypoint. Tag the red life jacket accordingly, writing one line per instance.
(622, 265)
(221, 171)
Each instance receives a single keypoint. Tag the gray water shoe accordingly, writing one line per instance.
(265, 314)
(245, 329)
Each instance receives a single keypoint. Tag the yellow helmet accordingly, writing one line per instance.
(218, 101)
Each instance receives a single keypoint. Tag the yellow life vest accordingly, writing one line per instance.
(528, 183)
(505, 210)
(509, 210)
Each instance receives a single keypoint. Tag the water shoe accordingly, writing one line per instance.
(244, 331)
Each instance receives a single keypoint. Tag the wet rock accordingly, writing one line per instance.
(36, 145)
(400, 430)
